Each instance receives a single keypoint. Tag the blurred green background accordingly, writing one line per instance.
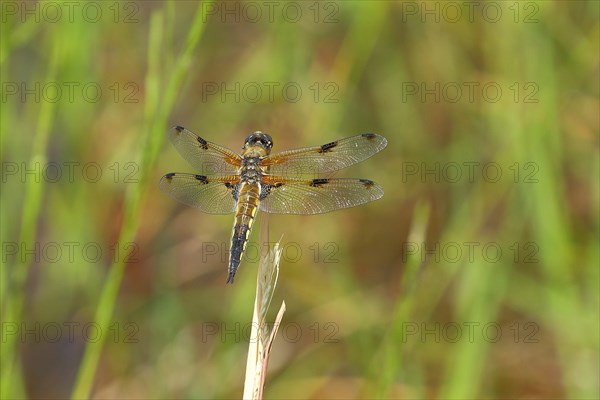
(476, 276)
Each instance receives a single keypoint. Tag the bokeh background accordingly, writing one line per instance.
(476, 276)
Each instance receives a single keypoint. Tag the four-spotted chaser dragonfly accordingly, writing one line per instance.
(257, 180)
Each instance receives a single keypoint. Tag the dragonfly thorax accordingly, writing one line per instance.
(251, 171)
(250, 162)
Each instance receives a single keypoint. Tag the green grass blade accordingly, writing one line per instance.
(154, 139)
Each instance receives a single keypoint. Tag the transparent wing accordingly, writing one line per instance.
(213, 195)
(206, 157)
(316, 196)
(326, 158)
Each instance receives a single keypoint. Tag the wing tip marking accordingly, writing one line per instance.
(201, 178)
(319, 182)
(203, 143)
(367, 182)
(327, 147)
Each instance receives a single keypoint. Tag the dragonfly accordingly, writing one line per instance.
(254, 180)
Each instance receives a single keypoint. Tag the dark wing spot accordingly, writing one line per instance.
(266, 189)
(170, 175)
(202, 142)
(235, 189)
(326, 147)
(179, 128)
(201, 178)
(368, 183)
(368, 135)
(319, 182)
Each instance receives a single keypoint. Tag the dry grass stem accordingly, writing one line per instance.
(261, 338)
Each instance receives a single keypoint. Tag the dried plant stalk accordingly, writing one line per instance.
(261, 339)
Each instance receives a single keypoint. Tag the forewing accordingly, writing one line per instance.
(316, 196)
(326, 158)
(206, 157)
(214, 195)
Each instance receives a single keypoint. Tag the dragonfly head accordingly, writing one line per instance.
(259, 139)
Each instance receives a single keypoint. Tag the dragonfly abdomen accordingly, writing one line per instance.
(247, 205)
